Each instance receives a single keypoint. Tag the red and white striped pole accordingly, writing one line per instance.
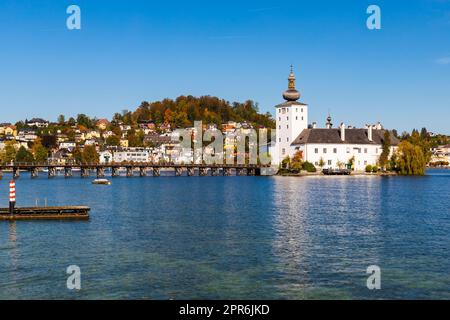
(12, 196)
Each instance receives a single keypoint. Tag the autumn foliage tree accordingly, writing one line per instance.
(410, 159)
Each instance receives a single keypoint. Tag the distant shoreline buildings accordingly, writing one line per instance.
(149, 135)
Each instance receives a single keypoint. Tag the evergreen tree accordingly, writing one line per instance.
(23, 155)
(386, 146)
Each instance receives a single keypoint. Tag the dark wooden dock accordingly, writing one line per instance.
(46, 213)
(336, 172)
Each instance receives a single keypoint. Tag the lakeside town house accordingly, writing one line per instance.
(327, 147)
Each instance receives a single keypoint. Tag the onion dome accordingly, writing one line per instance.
(291, 94)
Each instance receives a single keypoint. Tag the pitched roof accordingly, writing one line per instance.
(290, 103)
(352, 136)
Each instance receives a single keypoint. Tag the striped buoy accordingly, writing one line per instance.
(12, 196)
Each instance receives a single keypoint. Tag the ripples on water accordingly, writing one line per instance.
(233, 237)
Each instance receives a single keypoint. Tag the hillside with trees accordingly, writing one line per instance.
(183, 111)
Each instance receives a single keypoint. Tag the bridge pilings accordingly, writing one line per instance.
(34, 172)
(142, 171)
(100, 172)
(203, 172)
(156, 172)
(227, 172)
(16, 173)
(215, 172)
(190, 172)
(68, 172)
(178, 172)
(51, 172)
(85, 172)
(115, 172)
(129, 172)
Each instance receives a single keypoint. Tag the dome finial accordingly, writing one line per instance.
(291, 94)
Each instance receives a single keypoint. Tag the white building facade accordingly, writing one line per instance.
(330, 148)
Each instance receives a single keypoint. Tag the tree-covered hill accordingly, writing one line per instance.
(183, 111)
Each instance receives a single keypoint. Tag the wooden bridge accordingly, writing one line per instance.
(144, 169)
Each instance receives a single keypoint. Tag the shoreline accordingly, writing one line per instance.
(355, 174)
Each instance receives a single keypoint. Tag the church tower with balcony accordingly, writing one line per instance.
(291, 120)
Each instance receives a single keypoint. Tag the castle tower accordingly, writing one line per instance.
(291, 120)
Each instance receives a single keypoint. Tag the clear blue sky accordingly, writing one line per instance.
(130, 51)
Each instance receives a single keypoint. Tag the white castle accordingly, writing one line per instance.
(329, 146)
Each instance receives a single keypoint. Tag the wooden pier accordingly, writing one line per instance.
(142, 169)
(46, 213)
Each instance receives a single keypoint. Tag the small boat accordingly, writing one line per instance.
(102, 181)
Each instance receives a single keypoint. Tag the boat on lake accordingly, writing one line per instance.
(102, 181)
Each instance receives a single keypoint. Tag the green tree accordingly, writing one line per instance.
(113, 140)
(85, 121)
(410, 159)
(78, 155)
(90, 155)
(39, 151)
(386, 146)
(285, 164)
(309, 167)
(23, 155)
(9, 154)
(61, 120)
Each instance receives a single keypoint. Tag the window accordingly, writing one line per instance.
(279, 140)
(348, 150)
(316, 150)
(324, 150)
(335, 150)
(376, 150)
(365, 162)
(302, 118)
(279, 127)
(316, 163)
(287, 139)
(302, 109)
(330, 162)
(296, 109)
(283, 151)
(287, 118)
(296, 118)
(279, 118)
(365, 150)
(287, 127)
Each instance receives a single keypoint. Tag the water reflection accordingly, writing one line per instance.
(326, 227)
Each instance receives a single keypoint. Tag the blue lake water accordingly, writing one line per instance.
(232, 238)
